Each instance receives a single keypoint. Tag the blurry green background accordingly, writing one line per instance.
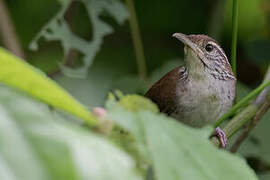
(157, 20)
(114, 66)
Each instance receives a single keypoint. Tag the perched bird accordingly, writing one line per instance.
(202, 90)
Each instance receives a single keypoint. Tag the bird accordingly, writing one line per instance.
(202, 90)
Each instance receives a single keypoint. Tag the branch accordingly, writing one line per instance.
(9, 36)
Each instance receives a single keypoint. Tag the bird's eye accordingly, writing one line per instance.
(209, 47)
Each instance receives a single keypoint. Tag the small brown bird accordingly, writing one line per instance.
(201, 91)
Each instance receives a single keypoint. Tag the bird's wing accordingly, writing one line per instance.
(163, 92)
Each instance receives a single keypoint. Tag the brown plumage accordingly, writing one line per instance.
(163, 92)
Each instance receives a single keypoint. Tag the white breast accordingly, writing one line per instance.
(212, 100)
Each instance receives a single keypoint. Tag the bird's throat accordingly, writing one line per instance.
(194, 65)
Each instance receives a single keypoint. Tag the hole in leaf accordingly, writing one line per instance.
(109, 20)
(49, 31)
(78, 20)
(74, 59)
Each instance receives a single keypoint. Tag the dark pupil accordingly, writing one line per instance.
(209, 47)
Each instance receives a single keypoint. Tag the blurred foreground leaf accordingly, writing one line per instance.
(178, 151)
(17, 73)
(36, 144)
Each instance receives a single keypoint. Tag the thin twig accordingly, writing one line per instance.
(234, 35)
(9, 36)
(137, 41)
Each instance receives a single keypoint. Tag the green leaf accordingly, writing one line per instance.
(57, 29)
(178, 151)
(135, 103)
(36, 143)
(17, 73)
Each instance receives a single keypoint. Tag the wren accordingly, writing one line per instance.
(202, 90)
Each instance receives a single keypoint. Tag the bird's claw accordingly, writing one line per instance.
(221, 137)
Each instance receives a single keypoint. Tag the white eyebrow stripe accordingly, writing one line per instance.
(219, 48)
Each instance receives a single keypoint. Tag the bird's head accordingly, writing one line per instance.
(204, 55)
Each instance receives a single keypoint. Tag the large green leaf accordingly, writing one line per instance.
(36, 144)
(17, 73)
(178, 151)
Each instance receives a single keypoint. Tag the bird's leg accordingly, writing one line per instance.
(221, 137)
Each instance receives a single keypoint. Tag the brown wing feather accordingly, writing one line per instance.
(163, 92)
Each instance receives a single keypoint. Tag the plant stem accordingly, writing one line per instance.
(137, 41)
(242, 102)
(234, 35)
(9, 37)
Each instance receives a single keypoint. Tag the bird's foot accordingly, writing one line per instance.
(221, 137)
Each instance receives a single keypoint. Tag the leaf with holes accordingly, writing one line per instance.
(57, 29)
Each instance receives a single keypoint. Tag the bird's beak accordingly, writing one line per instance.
(186, 40)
